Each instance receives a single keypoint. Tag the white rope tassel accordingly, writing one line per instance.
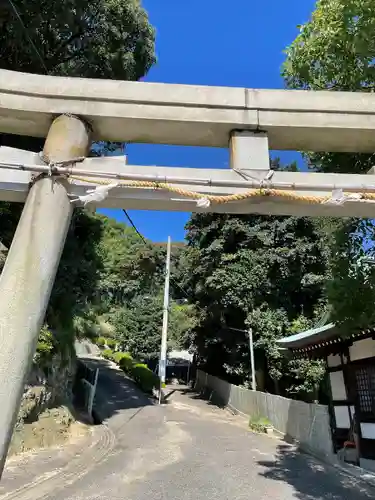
(203, 203)
(98, 194)
(266, 182)
(339, 197)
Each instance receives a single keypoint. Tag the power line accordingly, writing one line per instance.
(145, 242)
(15, 10)
(134, 226)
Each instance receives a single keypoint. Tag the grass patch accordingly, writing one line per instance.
(259, 424)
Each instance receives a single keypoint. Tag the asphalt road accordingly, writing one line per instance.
(189, 449)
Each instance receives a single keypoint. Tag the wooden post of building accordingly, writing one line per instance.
(30, 269)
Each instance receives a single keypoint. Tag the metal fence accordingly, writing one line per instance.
(85, 387)
(307, 424)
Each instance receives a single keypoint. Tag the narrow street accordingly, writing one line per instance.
(191, 449)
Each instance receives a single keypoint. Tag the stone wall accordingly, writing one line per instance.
(45, 390)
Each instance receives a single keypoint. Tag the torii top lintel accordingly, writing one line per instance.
(188, 114)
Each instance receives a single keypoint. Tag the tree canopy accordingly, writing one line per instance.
(335, 50)
(94, 39)
(263, 272)
(102, 39)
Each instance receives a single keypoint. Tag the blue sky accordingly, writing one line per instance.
(212, 42)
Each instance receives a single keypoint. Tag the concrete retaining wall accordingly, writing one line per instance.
(307, 424)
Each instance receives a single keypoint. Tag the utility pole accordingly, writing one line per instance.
(251, 349)
(164, 334)
(30, 268)
(251, 353)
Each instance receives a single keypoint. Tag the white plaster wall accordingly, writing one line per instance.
(368, 431)
(342, 417)
(337, 386)
(334, 360)
(362, 349)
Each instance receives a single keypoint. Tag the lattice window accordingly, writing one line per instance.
(365, 381)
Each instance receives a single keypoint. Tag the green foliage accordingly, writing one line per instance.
(128, 266)
(138, 326)
(108, 354)
(182, 321)
(145, 378)
(111, 343)
(352, 291)
(45, 347)
(103, 264)
(97, 39)
(259, 424)
(9, 217)
(269, 325)
(117, 356)
(335, 50)
(307, 376)
(141, 374)
(100, 341)
(126, 363)
(69, 310)
(104, 328)
(252, 271)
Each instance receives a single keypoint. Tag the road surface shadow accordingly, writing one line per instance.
(311, 479)
(115, 392)
(207, 395)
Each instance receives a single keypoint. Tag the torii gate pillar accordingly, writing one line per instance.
(30, 269)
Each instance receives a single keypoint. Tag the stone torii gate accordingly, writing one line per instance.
(73, 112)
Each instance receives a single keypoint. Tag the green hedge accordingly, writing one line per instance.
(111, 343)
(145, 378)
(139, 372)
(127, 363)
(100, 341)
(107, 354)
(117, 356)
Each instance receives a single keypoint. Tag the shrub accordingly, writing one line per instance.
(45, 347)
(145, 378)
(117, 356)
(100, 341)
(111, 343)
(126, 363)
(107, 354)
(259, 424)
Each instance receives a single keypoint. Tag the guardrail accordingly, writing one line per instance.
(85, 386)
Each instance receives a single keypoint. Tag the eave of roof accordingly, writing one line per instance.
(309, 337)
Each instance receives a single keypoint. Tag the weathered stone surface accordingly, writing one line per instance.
(43, 419)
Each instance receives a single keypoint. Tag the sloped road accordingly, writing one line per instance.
(190, 449)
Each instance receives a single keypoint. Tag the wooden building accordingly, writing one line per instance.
(351, 373)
